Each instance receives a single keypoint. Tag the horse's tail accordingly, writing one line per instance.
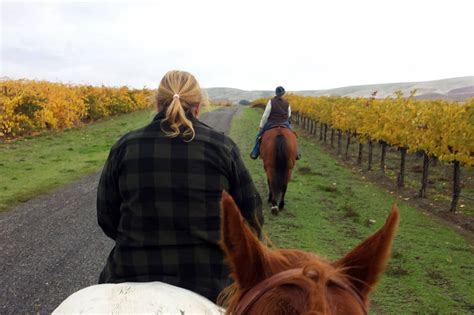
(281, 166)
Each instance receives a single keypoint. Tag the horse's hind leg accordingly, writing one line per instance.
(270, 197)
(281, 205)
(274, 208)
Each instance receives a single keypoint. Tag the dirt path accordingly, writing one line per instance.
(52, 246)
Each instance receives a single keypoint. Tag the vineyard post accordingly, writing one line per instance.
(339, 135)
(401, 174)
(321, 128)
(332, 137)
(456, 185)
(348, 143)
(325, 131)
(315, 128)
(359, 156)
(371, 146)
(424, 178)
(382, 156)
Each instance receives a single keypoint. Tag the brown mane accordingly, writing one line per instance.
(322, 287)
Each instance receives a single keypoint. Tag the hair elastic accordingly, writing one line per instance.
(176, 96)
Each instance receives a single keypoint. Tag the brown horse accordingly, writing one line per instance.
(278, 152)
(289, 281)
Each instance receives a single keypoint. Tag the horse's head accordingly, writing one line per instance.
(295, 282)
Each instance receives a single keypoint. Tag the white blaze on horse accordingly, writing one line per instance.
(267, 281)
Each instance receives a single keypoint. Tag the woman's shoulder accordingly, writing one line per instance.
(210, 135)
(129, 136)
(204, 135)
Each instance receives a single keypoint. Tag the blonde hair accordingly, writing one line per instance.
(179, 93)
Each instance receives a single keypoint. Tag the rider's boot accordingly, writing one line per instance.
(298, 153)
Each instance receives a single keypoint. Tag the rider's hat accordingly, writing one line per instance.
(279, 91)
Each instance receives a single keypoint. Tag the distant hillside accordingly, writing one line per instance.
(450, 89)
(235, 95)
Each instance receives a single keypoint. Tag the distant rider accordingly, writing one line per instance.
(277, 113)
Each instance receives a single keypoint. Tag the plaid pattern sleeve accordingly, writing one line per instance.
(108, 198)
(245, 194)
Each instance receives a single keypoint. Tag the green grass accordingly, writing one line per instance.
(329, 210)
(35, 165)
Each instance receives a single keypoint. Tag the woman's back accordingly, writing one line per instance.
(159, 199)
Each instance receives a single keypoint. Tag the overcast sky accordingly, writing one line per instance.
(246, 44)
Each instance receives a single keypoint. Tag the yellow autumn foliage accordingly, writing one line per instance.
(441, 128)
(28, 106)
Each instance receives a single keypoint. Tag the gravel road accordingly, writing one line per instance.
(51, 246)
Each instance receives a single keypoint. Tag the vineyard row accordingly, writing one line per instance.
(438, 129)
(28, 106)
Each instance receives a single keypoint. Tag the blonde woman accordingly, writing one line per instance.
(158, 196)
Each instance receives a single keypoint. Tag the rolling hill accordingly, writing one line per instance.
(451, 89)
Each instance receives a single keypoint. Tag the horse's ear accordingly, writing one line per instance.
(244, 252)
(367, 261)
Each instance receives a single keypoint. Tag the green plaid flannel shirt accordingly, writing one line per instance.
(158, 198)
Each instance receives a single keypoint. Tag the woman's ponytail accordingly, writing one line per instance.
(179, 95)
(175, 118)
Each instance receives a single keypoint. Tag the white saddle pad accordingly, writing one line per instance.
(137, 298)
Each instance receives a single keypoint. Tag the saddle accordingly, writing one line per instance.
(281, 126)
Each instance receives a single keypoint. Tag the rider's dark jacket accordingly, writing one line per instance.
(279, 112)
(158, 198)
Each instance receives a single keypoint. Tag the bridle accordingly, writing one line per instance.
(285, 277)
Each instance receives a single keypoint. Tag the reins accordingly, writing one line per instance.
(284, 277)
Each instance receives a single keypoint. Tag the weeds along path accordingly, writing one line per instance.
(52, 246)
(330, 209)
